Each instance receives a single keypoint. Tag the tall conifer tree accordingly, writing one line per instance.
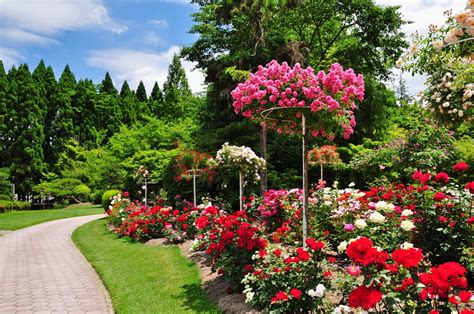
(175, 88)
(128, 105)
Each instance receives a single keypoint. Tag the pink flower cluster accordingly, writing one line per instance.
(330, 97)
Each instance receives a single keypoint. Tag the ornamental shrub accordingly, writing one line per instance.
(107, 198)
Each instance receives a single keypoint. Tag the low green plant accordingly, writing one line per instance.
(107, 198)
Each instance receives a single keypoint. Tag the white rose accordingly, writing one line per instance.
(320, 290)
(380, 205)
(406, 245)
(342, 246)
(407, 212)
(352, 184)
(311, 293)
(407, 225)
(249, 296)
(377, 217)
(360, 223)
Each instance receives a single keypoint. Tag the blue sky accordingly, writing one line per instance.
(133, 39)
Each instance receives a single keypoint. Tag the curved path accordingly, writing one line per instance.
(41, 270)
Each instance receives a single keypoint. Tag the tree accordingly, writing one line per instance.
(3, 111)
(141, 92)
(142, 105)
(47, 84)
(107, 86)
(156, 100)
(128, 104)
(175, 88)
(24, 134)
(62, 113)
(111, 116)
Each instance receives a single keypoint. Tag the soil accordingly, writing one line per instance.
(214, 284)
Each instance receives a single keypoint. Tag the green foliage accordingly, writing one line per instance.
(107, 198)
(64, 190)
(7, 205)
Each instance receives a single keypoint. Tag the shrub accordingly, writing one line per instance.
(6, 206)
(63, 190)
(107, 198)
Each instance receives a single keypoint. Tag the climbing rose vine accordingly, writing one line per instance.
(327, 100)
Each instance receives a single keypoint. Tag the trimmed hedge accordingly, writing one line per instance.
(6, 206)
(106, 198)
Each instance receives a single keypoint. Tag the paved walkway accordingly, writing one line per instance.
(41, 270)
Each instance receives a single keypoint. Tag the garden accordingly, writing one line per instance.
(302, 180)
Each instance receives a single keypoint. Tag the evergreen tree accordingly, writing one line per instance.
(156, 100)
(107, 86)
(62, 124)
(175, 89)
(3, 110)
(24, 135)
(110, 113)
(141, 92)
(46, 83)
(128, 104)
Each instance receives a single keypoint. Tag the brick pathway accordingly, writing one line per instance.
(41, 270)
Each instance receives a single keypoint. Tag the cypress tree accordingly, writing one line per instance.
(62, 124)
(141, 92)
(110, 113)
(156, 100)
(142, 107)
(128, 104)
(3, 109)
(46, 83)
(84, 102)
(24, 135)
(175, 89)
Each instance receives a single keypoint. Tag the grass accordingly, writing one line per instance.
(15, 220)
(142, 279)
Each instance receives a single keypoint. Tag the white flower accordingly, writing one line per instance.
(460, 113)
(407, 225)
(311, 293)
(360, 223)
(399, 63)
(438, 44)
(406, 245)
(407, 212)
(249, 296)
(342, 309)
(320, 290)
(352, 184)
(377, 217)
(380, 205)
(342, 246)
(123, 219)
(328, 203)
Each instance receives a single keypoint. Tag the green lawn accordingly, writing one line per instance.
(142, 279)
(20, 219)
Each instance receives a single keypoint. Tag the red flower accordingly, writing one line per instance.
(419, 176)
(314, 245)
(441, 279)
(303, 254)
(460, 166)
(393, 268)
(465, 296)
(277, 252)
(439, 196)
(452, 299)
(407, 281)
(202, 222)
(327, 274)
(470, 187)
(332, 259)
(364, 297)
(295, 293)
(409, 258)
(434, 312)
(280, 296)
(361, 251)
(442, 177)
(467, 311)
(443, 219)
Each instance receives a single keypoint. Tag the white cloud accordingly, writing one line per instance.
(10, 57)
(20, 36)
(52, 16)
(159, 23)
(135, 66)
(152, 39)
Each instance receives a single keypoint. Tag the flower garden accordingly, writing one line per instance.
(397, 247)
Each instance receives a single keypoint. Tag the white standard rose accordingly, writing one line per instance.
(407, 212)
(377, 217)
(360, 223)
(407, 225)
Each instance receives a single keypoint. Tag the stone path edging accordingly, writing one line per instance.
(42, 271)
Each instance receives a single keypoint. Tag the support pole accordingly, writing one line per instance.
(194, 187)
(305, 181)
(263, 154)
(241, 188)
(146, 192)
(321, 171)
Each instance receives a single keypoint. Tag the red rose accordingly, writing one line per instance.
(295, 293)
(467, 311)
(453, 300)
(465, 296)
(280, 296)
(434, 312)
(314, 245)
(277, 252)
(364, 297)
(362, 251)
(439, 196)
(442, 177)
(303, 254)
(440, 279)
(470, 187)
(443, 219)
(419, 176)
(407, 281)
(460, 166)
(409, 258)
